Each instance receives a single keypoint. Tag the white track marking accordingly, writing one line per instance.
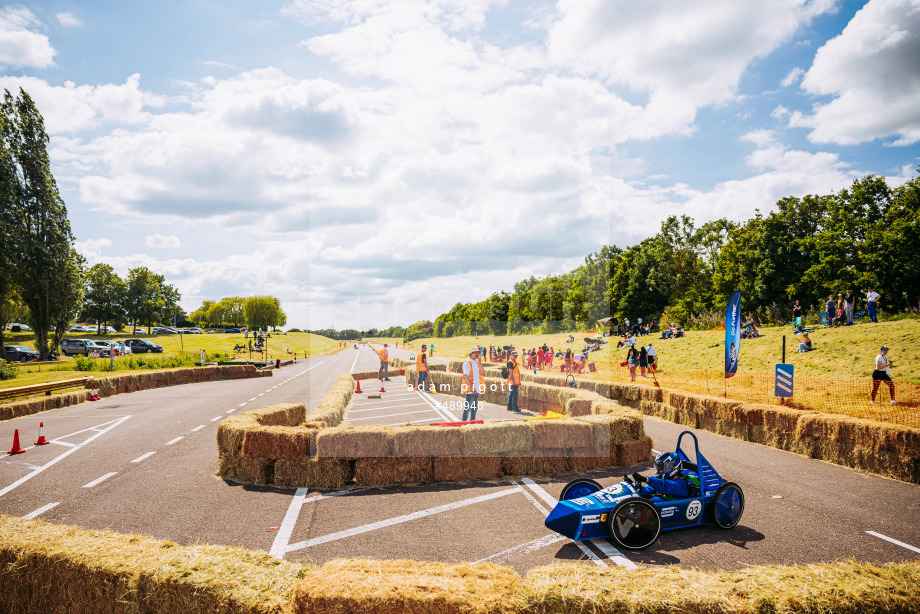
(527, 548)
(198, 428)
(252, 399)
(352, 370)
(242, 404)
(230, 411)
(893, 541)
(261, 394)
(100, 479)
(412, 422)
(405, 413)
(54, 461)
(144, 457)
(177, 439)
(655, 452)
(602, 544)
(41, 510)
(358, 411)
(287, 525)
(399, 520)
(337, 493)
(448, 417)
(92, 428)
(64, 443)
(216, 418)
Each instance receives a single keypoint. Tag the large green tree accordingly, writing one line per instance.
(104, 297)
(38, 234)
(263, 312)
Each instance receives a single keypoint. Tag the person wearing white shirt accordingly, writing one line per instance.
(882, 374)
(872, 299)
(652, 357)
(473, 379)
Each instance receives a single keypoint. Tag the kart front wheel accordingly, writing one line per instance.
(727, 505)
(579, 488)
(635, 524)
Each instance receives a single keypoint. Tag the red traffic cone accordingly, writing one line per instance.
(16, 449)
(94, 394)
(358, 388)
(41, 435)
(382, 389)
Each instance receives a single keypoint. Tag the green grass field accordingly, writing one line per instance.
(217, 344)
(845, 353)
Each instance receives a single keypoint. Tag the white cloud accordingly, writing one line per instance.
(91, 249)
(683, 55)
(795, 75)
(19, 44)
(68, 20)
(872, 69)
(162, 241)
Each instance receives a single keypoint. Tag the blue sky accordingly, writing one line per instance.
(373, 162)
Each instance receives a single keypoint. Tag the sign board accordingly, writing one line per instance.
(784, 380)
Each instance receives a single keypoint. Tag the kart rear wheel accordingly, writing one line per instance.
(579, 488)
(635, 524)
(727, 505)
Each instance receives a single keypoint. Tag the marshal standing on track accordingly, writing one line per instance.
(514, 382)
(421, 365)
(384, 373)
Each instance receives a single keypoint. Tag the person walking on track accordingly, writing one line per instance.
(881, 374)
(514, 382)
(473, 379)
(421, 365)
(384, 373)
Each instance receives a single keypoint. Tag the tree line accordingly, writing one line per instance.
(866, 235)
(255, 312)
(143, 298)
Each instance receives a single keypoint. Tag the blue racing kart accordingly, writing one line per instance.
(587, 511)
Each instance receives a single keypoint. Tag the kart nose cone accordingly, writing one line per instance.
(564, 519)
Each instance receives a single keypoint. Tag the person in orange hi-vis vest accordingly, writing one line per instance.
(514, 382)
(384, 373)
(473, 383)
(421, 365)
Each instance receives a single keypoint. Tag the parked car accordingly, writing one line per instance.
(165, 330)
(70, 347)
(20, 353)
(193, 331)
(16, 327)
(77, 329)
(143, 346)
(120, 348)
(234, 330)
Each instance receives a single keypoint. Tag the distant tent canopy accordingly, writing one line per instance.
(611, 321)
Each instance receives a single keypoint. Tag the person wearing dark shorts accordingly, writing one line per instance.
(881, 374)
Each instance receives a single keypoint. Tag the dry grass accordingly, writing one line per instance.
(56, 568)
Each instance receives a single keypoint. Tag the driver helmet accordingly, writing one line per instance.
(384, 345)
(667, 465)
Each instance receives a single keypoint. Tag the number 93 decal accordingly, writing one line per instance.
(693, 509)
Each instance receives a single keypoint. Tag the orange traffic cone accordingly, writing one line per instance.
(382, 389)
(16, 449)
(358, 388)
(41, 435)
(94, 394)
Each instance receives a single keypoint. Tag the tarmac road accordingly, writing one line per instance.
(145, 463)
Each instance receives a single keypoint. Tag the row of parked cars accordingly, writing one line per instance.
(88, 347)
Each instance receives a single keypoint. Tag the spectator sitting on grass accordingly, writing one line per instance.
(805, 345)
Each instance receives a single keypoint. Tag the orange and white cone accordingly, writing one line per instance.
(16, 447)
(382, 389)
(94, 394)
(358, 388)
(41, 435)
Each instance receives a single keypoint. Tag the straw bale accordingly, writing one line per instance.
(230, 433)
(246, 470)
(537, 462)
(274, 415)
(48, 567)
(460, 468)
(278, 442)
(631, 453)
(353, 442)
(322, 473)
(426, 441)
(602, 388)
(782, 419)
(578, 407)
(836, 587)
(497, 438)
(648, 393)
(562, 434)
(390, 587)
(729, 428)
(588, 459)
(392, 471)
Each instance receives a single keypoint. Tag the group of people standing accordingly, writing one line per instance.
(643, 358)
(473, 382)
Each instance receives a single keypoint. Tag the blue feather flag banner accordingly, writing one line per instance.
(732, 333)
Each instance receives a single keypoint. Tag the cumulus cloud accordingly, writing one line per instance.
(794, 76)
(91, 249)
(683, 56)
(20, 45)
(68, 20)
(162, 241)
(872, 69)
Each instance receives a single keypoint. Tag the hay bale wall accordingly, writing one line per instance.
(886, 449)
(122, 383)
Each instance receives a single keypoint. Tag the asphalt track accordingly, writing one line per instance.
(145, 463)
